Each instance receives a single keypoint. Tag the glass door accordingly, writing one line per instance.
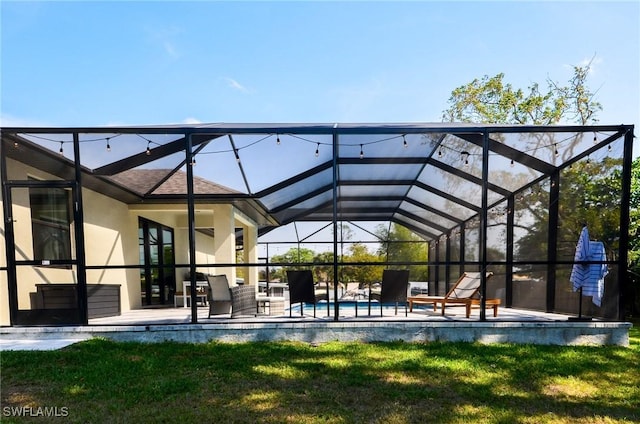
(157, 276)
(42, 265)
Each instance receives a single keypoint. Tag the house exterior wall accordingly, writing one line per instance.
(111, 239)
(107, 227)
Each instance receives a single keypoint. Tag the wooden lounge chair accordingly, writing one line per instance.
(353, 292)
(395, 283)
(463, 293)
(301, 290)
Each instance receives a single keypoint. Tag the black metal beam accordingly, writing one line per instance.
(142, 158)
(424, 221)
(448, 197)
(471, 178)
(510, 153)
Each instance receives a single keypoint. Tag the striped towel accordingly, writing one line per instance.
(589, 277)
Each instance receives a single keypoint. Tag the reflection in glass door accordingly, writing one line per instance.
(157, 277)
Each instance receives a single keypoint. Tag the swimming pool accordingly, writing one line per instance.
(345, 308)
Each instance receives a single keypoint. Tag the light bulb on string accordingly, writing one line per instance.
(15, 144)
(61, 149)
(595, 138)
(237, 155)
(440, 153)
(148, 152)
(465, 157)
(555, 149)
(278, 140)
(318, 150)
(404, 142)
(512, 164)
(193, 160)
(108, 145)
(361, 152)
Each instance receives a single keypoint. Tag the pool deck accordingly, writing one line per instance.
(422, 325)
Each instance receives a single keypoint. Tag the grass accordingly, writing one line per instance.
(103, 381)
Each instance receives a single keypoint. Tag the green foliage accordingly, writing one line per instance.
(634, 240)
(401, 245)
(362, 274)
(491, 100)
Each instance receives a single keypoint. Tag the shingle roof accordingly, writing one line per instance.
(144, 180)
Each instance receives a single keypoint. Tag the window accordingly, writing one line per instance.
(51, 223)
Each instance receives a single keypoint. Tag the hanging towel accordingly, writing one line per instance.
(589, 277)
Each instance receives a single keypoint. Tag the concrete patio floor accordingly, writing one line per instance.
(423, 325)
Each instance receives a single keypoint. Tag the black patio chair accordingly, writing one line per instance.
(395, 283)
(301, 290)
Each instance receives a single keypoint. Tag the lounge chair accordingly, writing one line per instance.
(353, 292)
(463, 293)
(219, 295)
(395, 283)
(301, 290)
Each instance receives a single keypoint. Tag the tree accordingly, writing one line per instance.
(401, 245)
(295, 255)
(589, 191)
(358, 252)
(490, 100)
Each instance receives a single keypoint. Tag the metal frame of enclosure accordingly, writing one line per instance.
(511, 199)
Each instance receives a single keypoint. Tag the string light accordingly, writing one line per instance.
(148, 148)
(235, 151)
(440, 153)
(465, 157)
(404, 142)
(15, 144)
(555, 149)
(512, 164)
(108, 145)
(588, 160)
(193, 160)
(361, 152)
(318, 150)
(609, 148)
(278, 140)
(595, 138)
(61, 149)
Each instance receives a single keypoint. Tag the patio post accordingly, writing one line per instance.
(483, 225)
(624, 219)
(191, 221)
(552, 239)
(334, 218)
(78, 218)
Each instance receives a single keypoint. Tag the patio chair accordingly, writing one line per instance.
(301, 290)
(395, 283)
(243, 301)
(463, 293)
(219, 295)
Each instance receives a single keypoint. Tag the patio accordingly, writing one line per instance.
(158, 325)
(509, 200)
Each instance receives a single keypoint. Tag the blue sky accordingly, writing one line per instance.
(134, 63)
(159, 62)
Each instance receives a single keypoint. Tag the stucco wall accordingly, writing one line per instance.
(111, 239)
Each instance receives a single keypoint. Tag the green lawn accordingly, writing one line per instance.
(102, 381)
